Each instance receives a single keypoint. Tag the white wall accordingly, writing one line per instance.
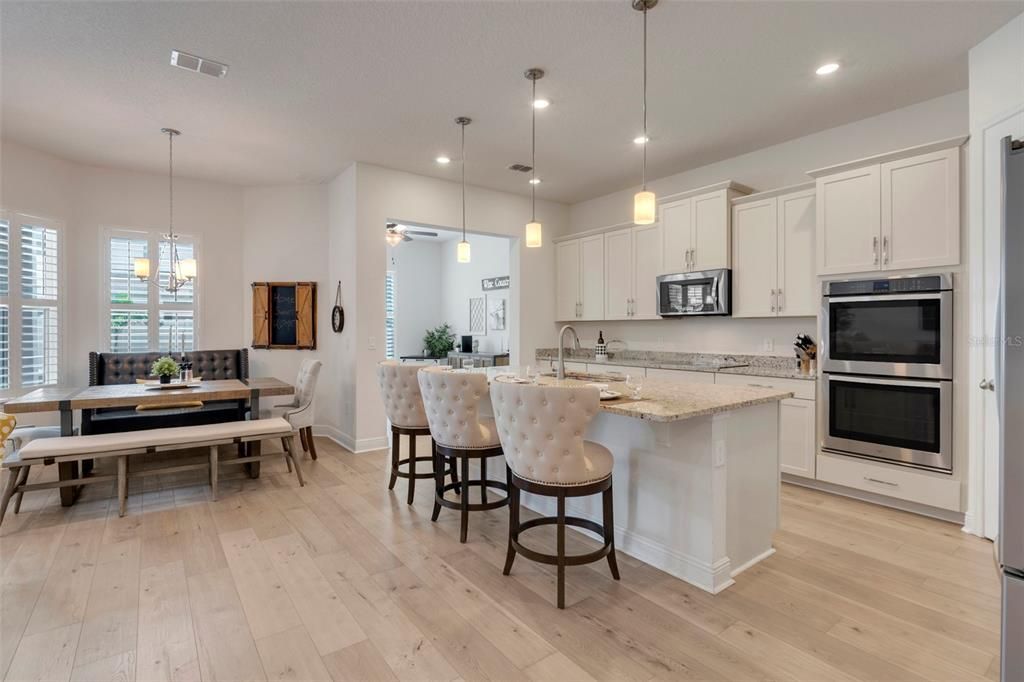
(341, 350)
(418, 267)
(776, 166)
(996, 110)
(88, 199)
(462, 281)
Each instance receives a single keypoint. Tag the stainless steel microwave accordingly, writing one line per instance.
(694, 293)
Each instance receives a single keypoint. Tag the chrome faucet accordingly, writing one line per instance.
(561, 347)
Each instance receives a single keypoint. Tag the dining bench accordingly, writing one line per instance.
(121, 446)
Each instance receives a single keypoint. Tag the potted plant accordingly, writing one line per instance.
(439, 340)
(165, 368)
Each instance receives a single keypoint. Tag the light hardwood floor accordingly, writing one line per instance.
(341, 580)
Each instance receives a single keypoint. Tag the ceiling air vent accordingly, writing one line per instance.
(520, 168)
(190, 62)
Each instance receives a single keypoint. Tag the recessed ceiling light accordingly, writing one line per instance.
(534, 181)
(641, 139)
(190, 62)
(826, 69)
(443, 160)
(541, 103)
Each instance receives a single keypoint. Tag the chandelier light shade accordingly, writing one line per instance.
(462, 253)
(644, 202)
(393, 237)
(534, 230)
(182, 271)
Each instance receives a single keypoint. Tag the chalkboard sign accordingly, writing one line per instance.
(284, 315)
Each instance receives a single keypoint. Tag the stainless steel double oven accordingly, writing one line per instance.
(887, 363)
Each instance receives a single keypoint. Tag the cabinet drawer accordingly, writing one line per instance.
(682, 375)
(801, 388)
(608, 368)
(935, 490)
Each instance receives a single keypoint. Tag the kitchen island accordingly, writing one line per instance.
(696, 476)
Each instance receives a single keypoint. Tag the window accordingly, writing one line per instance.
(30, 299)
(389, 315)
(142, 317)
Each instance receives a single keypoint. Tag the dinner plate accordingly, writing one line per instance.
(609, 395)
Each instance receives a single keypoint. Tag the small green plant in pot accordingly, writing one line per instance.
(165, 368)
(439, 340)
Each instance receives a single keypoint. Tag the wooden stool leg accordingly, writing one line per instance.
(464, 501)
(12, 480)
(21, 493)
(214, 471)
(455, 476)
(412, 469)
(513, 526)
(395, 443)
(439, 472)
(122, 484)
(311, 442)
(483, 477)
(561, 550)
(295, 461)
(609, 531)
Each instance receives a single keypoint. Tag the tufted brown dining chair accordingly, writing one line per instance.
(541, 430)
(452, 401)
(403, 405)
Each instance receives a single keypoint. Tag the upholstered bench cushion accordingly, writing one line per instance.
(109, 443)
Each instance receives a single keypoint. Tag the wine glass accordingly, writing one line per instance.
(635, 384)
(467, 363)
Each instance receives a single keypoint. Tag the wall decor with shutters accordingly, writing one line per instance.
(284, 315)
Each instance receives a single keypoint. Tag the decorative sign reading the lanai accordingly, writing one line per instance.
(495, 283)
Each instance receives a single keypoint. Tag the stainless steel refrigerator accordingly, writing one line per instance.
(1010, 395)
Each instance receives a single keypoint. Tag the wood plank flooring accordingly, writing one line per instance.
(342, 580)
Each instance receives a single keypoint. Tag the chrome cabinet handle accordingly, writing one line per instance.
(693, 258)
(987, 385)
(779, 300)
(874, 249)
(771, 299)
(878, 480)
(885, 250)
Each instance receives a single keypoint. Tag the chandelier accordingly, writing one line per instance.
(182, 270)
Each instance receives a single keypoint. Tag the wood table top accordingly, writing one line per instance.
(48, 399)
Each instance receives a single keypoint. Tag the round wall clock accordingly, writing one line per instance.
(337, 313)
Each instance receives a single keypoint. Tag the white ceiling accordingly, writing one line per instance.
(315, 85)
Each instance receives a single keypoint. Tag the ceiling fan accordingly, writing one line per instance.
(396, 233)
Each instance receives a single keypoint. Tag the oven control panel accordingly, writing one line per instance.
(892, 285)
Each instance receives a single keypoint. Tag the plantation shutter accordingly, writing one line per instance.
(390, 349)
(260, 315)
(39, 323)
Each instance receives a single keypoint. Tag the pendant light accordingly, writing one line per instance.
(462, 250)
(644, 204)
(182, 270)
(534, 236)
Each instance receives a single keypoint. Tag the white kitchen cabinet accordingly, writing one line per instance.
(579, 278)
(696, 228)
(797, 448)
(618, 274)
(921, 211)
(647, 265)
(773, 254)
(681, 375)
(890, 212)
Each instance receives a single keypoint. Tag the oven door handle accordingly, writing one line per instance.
(937, 383)
(924, 296)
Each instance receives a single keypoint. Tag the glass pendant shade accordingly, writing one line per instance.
(141, 267)
(393, 238)
(644, 208)
(534, 237)
(462, 252)
(188, 267)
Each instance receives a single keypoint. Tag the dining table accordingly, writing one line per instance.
(68, 399)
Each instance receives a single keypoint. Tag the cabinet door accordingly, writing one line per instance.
(711, 239)
(798, 286)
(647, 252)
(921, 211)
(592, 278)
(618, 274)
(754, 247)
(796, 437)
(681, 375)
(567, 280)
(677, 232)
(848, 208)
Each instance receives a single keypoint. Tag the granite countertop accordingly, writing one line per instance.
(775, 366)
(665, 400)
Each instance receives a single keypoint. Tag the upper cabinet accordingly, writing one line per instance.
(695, 228)
(632, 262)
(891, 212)
(580, 278)
(773, 254)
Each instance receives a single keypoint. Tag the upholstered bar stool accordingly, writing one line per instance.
(541, 430)
(452, 400)
(404, 407)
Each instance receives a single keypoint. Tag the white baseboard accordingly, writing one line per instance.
(865, 496)
(348, 442)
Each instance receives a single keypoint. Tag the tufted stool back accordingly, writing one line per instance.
(401, 394)
(452, 400)
(541, 430)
